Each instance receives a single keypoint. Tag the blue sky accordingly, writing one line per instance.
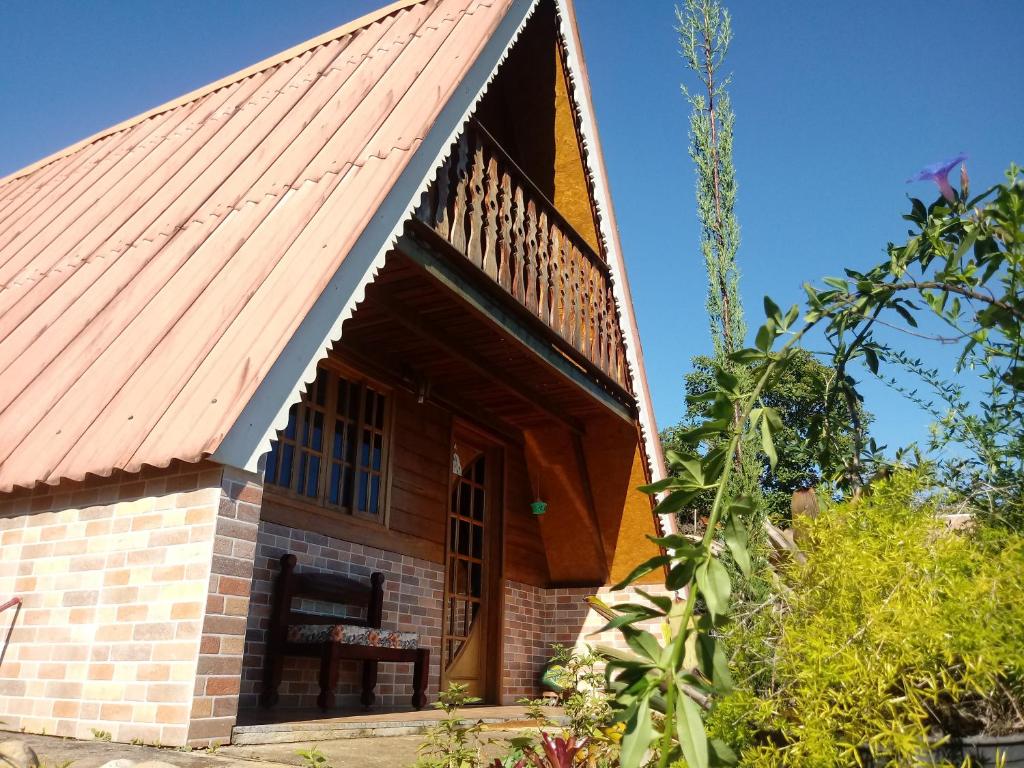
(836, 104)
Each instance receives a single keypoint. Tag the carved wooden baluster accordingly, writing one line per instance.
(568, 269)
(599, 329)
(621, 374)
(543, 265)
(476, 204)
(491, 222)
(518, 246)
(577, 298)
(607, 320)
(585, 296)
(565, 288)
(439, 203)
(593, 314)
(616, 355)
(530, 243)
(593, 285)
(457, 236)
(554, 270)
(557, 270)
(504, 232)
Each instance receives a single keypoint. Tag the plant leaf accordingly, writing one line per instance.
(767, 445)
(690, 731)
(736, 539)
(659, 561)
(713, 583)
(638, 735)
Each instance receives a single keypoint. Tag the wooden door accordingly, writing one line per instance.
(472, 566)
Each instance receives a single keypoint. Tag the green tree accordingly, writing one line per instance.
(969, 248)
(800, 395)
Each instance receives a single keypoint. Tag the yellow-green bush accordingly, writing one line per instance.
(894, 634)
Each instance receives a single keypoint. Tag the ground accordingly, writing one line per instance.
(370, 752)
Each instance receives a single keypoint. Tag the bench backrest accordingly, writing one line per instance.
(324, 588)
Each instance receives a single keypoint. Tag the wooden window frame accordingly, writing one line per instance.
(337, 371)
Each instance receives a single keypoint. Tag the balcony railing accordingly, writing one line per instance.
(490, 212)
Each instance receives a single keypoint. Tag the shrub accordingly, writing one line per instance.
(895, 635)
(452, 742)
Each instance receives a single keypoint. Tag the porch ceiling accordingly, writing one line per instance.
(416, 328)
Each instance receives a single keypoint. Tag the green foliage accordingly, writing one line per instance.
(894, 633)
(585, 702)
(967, 249)
(963, 265)
(101, 735)
(661, 675)
(799, 393)
(312, 757)
(452, 743)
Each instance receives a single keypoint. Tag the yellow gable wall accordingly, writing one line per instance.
(572, 190)
(615, 467)
(633, 546)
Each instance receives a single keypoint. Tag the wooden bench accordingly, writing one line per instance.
(333, 638)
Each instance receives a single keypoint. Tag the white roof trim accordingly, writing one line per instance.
(267, 410)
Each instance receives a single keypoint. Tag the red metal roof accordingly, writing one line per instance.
(151, 275)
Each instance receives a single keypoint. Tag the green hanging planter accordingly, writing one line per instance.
(538, 507)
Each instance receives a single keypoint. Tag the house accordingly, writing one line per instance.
(363, 302)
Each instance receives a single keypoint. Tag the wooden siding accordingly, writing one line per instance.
(525, 558)
(421, 451)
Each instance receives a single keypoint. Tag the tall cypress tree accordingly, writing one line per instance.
(705, 31)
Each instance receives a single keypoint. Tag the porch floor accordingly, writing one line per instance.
(284, 726)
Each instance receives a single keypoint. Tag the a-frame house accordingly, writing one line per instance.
(363, 303)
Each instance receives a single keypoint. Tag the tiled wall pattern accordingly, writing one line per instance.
(537, 618)
(412, 603)
(526, 650)
(219, 670)
(114, 576)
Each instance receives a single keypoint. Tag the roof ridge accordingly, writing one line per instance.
(271, 61)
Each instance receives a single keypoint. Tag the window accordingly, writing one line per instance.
(333, 449)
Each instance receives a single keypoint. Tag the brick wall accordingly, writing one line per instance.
(412, 603)
(221, 647)
(115, 576)
(526, 618)
(537, 618)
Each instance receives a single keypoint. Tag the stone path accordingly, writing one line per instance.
(371, 752)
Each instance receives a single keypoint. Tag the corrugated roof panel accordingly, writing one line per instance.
(150, 277)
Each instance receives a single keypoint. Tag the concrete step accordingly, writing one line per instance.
(366, 726)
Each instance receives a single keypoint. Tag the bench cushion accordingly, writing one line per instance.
(351, 634)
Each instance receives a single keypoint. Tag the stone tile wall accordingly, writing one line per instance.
(537, 618)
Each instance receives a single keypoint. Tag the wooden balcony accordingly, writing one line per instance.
(490, 213)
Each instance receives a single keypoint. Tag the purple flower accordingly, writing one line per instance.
(939, 173)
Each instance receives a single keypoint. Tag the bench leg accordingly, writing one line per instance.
(420, 678)
(369, 683)
(272, 671)
(329, 665)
